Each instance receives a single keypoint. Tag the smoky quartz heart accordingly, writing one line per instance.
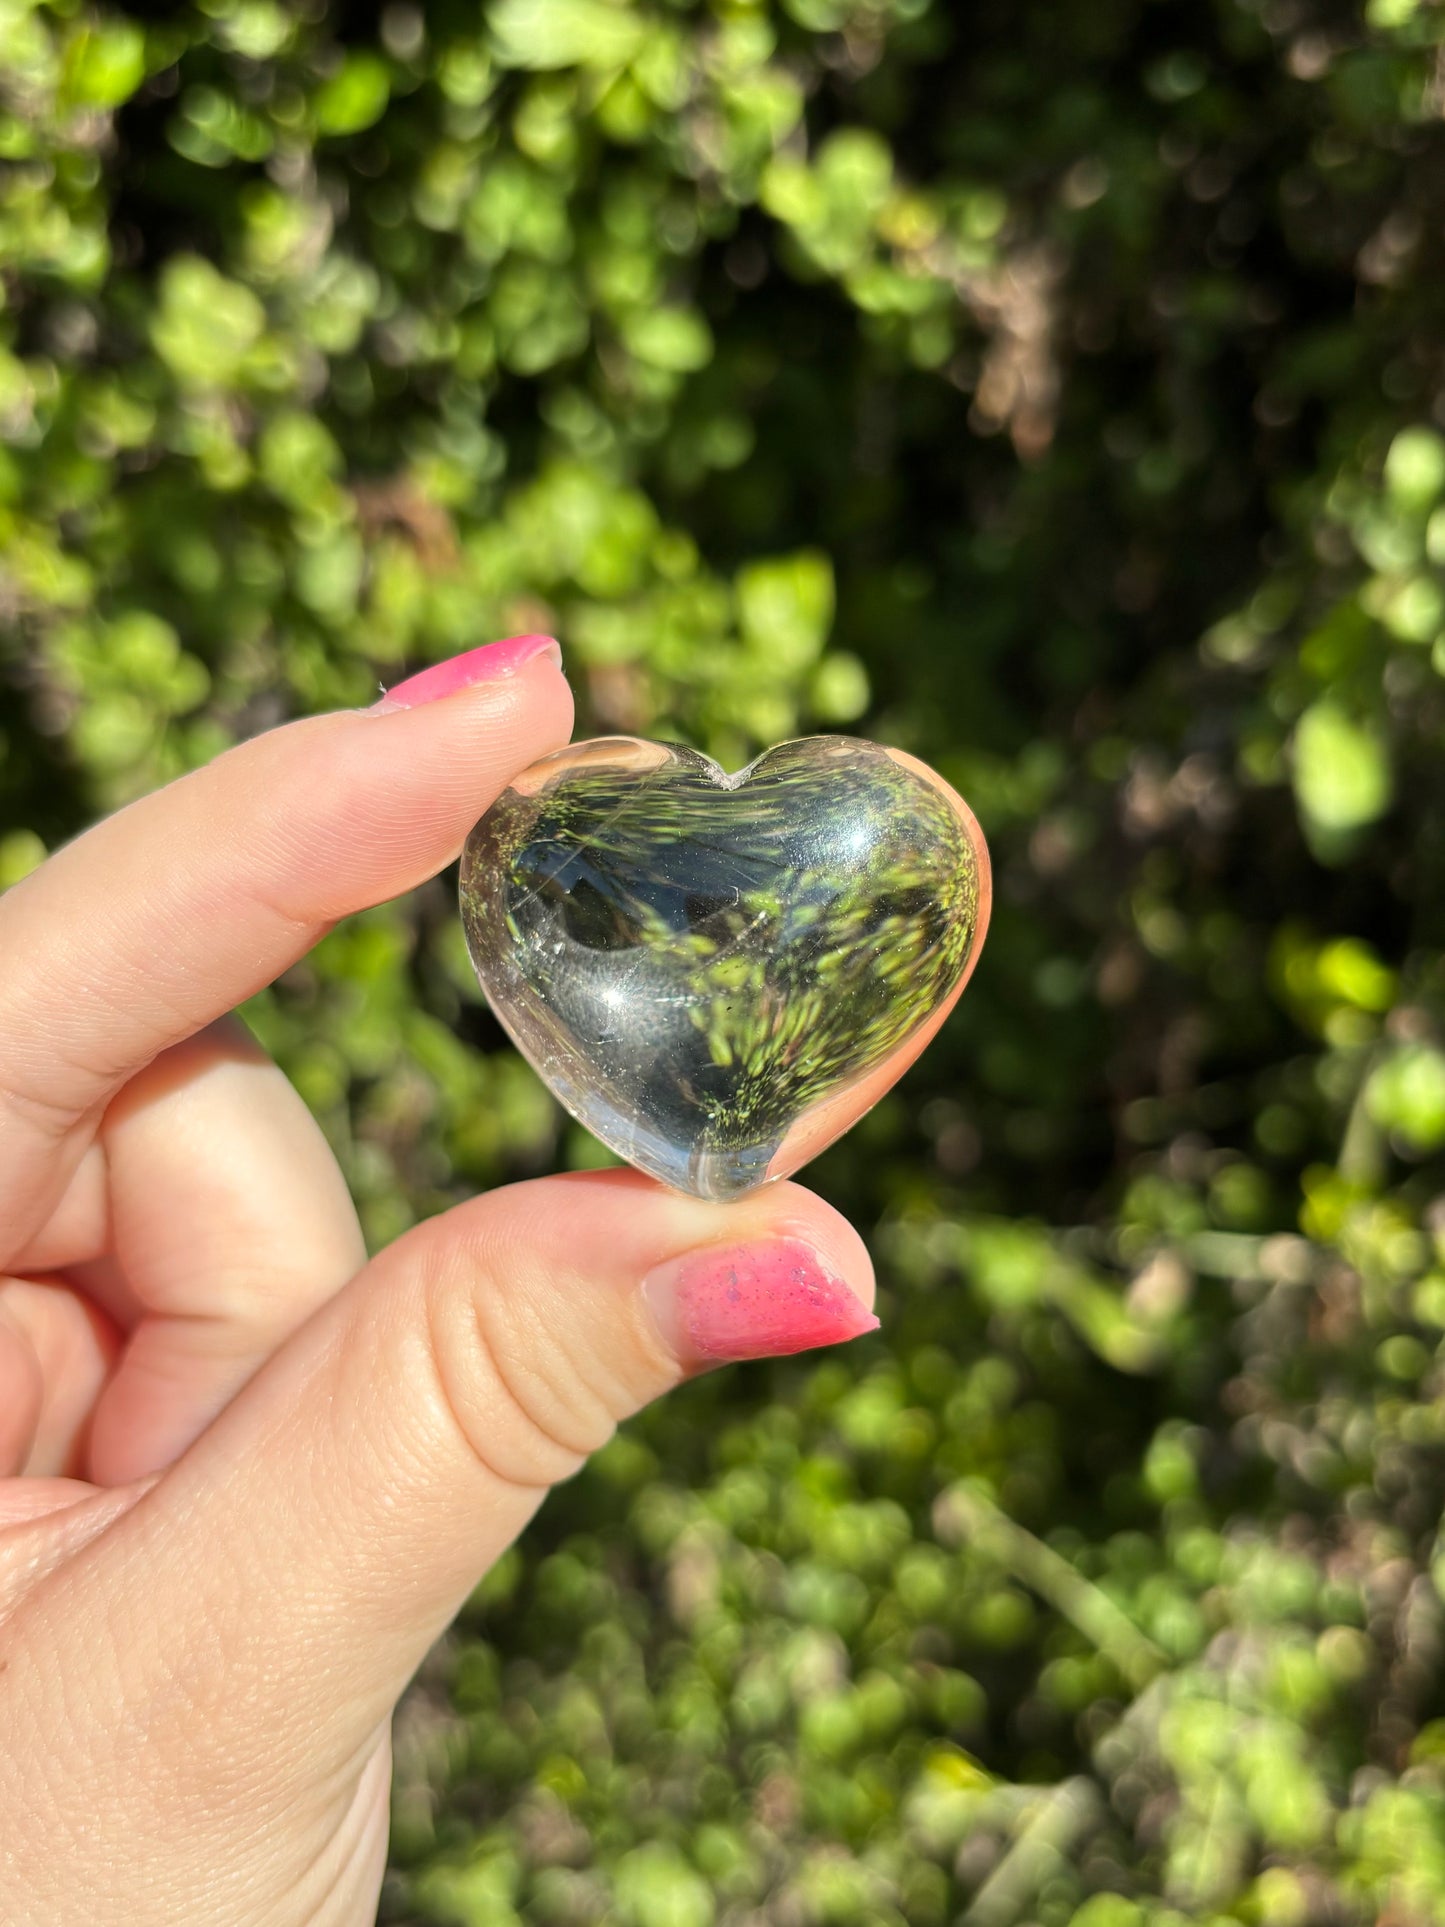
(718, 974)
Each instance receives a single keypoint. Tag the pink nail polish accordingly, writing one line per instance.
(753, 1301)
(461, 672)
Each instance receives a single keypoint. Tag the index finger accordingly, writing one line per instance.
(166, 915)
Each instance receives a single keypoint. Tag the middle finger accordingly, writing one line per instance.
(230, 1224)
(226, 1222)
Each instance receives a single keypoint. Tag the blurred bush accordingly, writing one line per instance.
(1057, 392)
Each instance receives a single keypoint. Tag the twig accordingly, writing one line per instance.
(964, 1511)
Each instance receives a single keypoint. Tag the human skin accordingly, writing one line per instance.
(247, 1476)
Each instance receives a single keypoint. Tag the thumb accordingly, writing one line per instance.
(290, 1571)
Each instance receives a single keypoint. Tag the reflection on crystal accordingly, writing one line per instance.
(718, 974)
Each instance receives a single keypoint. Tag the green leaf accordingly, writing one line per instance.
(1415, 468)
(297, 457)
(1407, 1094)
(543, 34)
(672, 338)
(1342, 773)
(1349, 970)
(839, 690)
(21, 851)
(1412, 611)
(1108, 1910)
(478, 1895)
(785, 606)
(354, 97)
(206, 325)
(856, 168)
(656, 1887)
(102, 66)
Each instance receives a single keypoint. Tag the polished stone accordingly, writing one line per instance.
(719, 974)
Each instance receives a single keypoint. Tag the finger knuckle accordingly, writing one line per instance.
(530, 1397)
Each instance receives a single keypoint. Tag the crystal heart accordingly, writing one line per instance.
(719, 974)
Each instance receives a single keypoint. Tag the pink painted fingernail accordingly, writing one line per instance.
(752, 1301)
(461, 672)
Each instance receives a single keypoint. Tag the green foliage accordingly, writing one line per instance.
(1053, 392)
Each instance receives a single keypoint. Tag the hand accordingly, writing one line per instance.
(248, 1476)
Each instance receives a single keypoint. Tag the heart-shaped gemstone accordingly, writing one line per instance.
(719, 974)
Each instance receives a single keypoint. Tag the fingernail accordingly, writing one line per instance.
(752, 1301)
(461, 672)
